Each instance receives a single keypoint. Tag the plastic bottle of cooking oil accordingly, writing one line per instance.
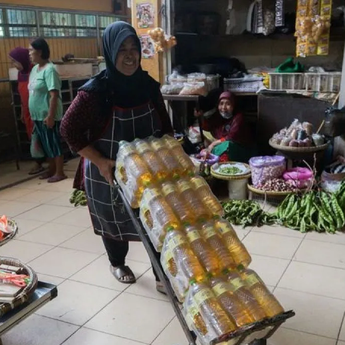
(240, 290)
(230, 302)
(209, 199)
(133, 164)
(188, 193)
(184, 256)
(268, 302)
(203, 251)
(210, 309)
(171, 163)
(157, 213)
(177, 150)
(237, 249)
(152, 160)
(179, 205)
(195, 320)
(215, 241)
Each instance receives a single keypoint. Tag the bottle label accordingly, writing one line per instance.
(220, 288)
(202, 296)
(198, 182)
(168, 188)
(183, 186)
(224, 228)
(175, 241)
(142, 146)
(236, 284)
(252, 280)
(153, 193)
(156, 144)
(193, 235)
(209, 231)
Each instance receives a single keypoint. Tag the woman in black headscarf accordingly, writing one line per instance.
(121, 103)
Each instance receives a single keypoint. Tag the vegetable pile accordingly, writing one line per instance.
(78, 198)
(312, 211)
(247, 213)
(230, 170)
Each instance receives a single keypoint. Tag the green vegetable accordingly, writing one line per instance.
(230, 170)
(78, 198)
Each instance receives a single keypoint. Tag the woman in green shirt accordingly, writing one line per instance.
(45, 107)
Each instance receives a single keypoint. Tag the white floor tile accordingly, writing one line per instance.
(62, 186)
(11, 194)
(38, 330)
(45, 278)
(90, 337)
(333, 255)
(52, 234)
(76, 217)
(290, 337)
(34, 184)
(137, 252)
(338, 237)
(270, 270)
(25, 226)
(98, 273)
(123, 318)
(318, 280)
(24, 251)
(310, 312)
(62, 200)
(172, 334)
(86, 240)
(40, 196)
(271, 245)
(61, 262)
(342, 332)
(278, 230)
(16, 208)
(241, 232)
(77, 303)
(45, 213)
(146, 286)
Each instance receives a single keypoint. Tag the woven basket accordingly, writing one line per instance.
(26, 292)
(14, 227)
(310, 149)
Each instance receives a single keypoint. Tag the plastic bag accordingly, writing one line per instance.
(172, 89)
(198, 88)
(194, 135)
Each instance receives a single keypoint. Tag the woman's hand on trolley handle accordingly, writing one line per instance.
(106, 166)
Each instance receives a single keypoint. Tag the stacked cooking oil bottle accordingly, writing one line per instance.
(205, 261)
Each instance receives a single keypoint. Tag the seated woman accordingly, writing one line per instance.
(232, 138)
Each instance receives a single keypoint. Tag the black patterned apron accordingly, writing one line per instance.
(109, 218)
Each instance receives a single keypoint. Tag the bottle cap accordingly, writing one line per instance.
(170, 228)
(240, 267)
(225, 271)
(192, 281)
(209, 275)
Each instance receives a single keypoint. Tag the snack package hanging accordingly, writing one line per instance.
(279, 15)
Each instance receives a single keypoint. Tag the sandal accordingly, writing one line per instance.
(122, 271)
(160, 288)
(45, 176)
(35, 171)
(56, 178)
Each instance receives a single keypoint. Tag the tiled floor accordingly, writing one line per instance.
(306, 272)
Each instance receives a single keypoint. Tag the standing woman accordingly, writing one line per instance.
(21, 61)
(45, 107)
(121, 103)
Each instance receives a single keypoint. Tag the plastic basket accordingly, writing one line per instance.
(243, 84)
(312, 82)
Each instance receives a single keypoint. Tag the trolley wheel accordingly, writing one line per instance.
(259, 342)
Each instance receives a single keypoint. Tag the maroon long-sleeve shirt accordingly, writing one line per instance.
(234, 129)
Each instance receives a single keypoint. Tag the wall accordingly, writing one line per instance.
(83, 5)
